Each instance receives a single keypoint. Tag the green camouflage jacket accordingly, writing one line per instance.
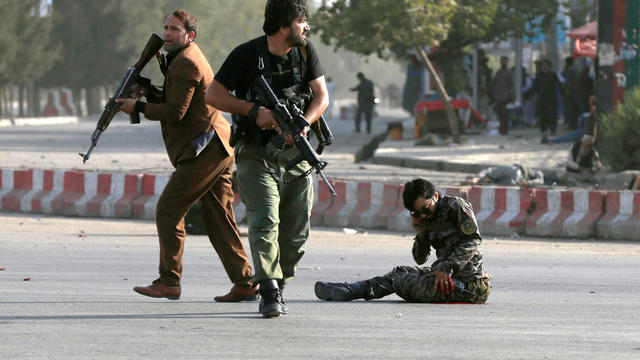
(453, 233)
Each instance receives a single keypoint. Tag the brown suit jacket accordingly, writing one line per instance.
(184, 115)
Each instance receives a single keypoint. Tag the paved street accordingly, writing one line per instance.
(551, 299)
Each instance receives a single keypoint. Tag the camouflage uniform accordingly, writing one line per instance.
(453, 233)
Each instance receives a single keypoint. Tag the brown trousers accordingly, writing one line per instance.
(208, 178)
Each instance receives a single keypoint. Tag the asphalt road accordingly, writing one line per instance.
(66, 293)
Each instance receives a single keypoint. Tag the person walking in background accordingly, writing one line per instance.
(414, 84)
(571, 92)
(331, 89)
(545, 87)
(587, 125)
(527, 105)
(197, 140)
(366, 100)
(501, 92)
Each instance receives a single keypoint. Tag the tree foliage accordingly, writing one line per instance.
(102, 39)
(25, 39)
(621, 141)
(90, 51)
(384, 26)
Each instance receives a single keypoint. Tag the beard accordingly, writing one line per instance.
(296, 40)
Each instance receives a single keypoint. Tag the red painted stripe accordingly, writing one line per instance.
(22, 184)
(74, 182)
(324, 201)
(23, 179)
(131, 183)
(526, 199)
(148, 184)
(363, 203)
(338, 202)
(499, 205)
(47, 187)
(567, 206)
(64, 203)
(104, 184)
(596, 210)
(540, 201)
(391, 204)
(475, 198)
(47, 180)
(612, 207)
(124, 206)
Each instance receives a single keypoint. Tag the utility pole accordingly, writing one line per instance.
(617, 51)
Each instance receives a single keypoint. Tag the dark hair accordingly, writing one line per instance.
(360, 75)
(189, 21)
(281, 13)
(417, 188)
(568, 61)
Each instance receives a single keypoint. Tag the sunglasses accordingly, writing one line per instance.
(422, 211)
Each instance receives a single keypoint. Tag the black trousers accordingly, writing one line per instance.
(503, 116)
(368, 114)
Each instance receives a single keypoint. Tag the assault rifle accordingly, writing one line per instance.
(131, 77)
(291, 121)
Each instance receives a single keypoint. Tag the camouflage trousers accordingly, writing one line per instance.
(413, 285)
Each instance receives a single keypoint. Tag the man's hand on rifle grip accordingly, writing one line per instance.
(128, 105)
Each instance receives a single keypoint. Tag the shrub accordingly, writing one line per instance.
(621, 134)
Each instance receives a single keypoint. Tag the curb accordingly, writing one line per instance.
(49, 120)
(499, 210)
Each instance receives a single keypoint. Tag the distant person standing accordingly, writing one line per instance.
(571, 103)
(365, 101)
(501, 92)
(414, 85)
(545, 86)
(331, 89)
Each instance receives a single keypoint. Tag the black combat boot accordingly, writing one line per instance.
(343, 291)
(270, 305)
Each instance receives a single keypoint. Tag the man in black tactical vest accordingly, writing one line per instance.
(278, 201)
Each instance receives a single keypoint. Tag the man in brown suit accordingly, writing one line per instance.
(196, 136)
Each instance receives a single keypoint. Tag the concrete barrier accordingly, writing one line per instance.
(144, 206)
(568, 213)
(499, 210)
(622, 216)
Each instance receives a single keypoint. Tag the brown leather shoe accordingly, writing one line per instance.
(239, 293)
(159, 290)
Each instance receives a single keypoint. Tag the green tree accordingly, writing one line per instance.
(385, 27)
(497, 20)
(484, 22)
(393, 27)
(27, 37)
(8, 28)
(90, 53)
(621, 140)
(102, 39)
